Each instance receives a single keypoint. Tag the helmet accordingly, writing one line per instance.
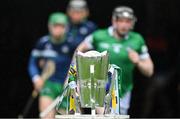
(58, 18)
(77, 4)
(123, 12)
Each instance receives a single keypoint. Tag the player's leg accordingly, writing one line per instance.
(46, 98)
(125, 103)
(44, 102)
(58, 90)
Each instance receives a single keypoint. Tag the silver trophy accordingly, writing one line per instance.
(97, 85)
(92, 68)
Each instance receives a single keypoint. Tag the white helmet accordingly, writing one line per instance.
(124, 12)
(77, 4)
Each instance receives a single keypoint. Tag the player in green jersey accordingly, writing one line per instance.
(127, 49)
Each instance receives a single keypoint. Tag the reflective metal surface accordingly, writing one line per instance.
(92, 68)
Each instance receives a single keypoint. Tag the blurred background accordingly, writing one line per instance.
(22, 22)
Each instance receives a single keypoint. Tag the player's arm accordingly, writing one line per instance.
(142, 61)
(145, 65)
(86, 44)
(33, 68)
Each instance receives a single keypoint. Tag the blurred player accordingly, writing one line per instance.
(56, 47)
(126, 48)
(79, 26)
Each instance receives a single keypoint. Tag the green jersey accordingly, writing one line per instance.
(102, 40)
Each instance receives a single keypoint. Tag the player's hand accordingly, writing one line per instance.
(133, 56)
(38, 84)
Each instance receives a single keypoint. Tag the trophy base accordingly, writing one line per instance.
(92, 116)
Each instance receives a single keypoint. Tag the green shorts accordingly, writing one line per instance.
(52, 90)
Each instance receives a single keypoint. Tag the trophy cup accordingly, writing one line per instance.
(92, 68)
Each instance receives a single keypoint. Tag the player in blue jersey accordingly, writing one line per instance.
(79, 25)
(58, 47)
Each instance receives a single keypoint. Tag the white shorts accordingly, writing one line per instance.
(125, 103)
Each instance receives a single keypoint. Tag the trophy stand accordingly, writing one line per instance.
(92, 116)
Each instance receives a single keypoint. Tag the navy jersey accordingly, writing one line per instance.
(80, 31)
(60, 53)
